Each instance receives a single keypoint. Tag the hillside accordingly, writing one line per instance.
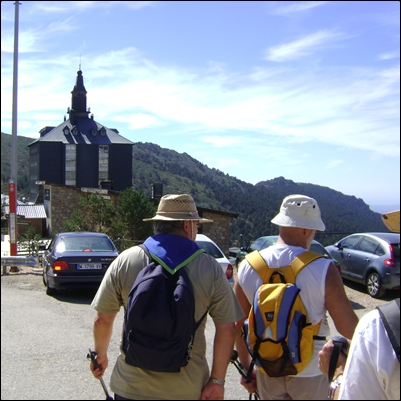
(211, 188)
(22, 163)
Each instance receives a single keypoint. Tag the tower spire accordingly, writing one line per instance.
(78, 98)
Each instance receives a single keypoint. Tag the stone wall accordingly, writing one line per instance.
(219, 230)
(63, 200)
(24, 224)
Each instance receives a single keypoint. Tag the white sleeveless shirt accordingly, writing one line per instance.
(311, 281)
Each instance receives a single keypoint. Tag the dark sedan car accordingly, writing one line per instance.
(77, 260)
(264, 242)
(372, 259)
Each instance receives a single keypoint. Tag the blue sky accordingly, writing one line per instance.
(309, 91)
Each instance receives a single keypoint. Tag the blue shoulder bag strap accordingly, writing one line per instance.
(390, 315)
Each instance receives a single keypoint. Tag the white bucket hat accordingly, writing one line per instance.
(178, 207)
(299, 211)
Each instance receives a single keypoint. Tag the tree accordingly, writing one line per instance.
(96, 215)
(133, 207)
(124, 225)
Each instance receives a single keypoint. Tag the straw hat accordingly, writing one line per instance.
(178, 207)
(392, 220)
(299, 211)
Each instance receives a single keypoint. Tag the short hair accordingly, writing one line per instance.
(167, 226)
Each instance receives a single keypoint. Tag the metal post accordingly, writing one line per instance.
(12, 188)
(12, 198)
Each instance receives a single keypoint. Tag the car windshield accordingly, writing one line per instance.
(82, 243)
(262, 243)
(210, 249)
(318, 249)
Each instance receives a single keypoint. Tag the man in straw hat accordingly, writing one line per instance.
(173, 244)
(372, 369)
(321, 289)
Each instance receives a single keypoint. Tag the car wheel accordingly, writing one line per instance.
(374, 285)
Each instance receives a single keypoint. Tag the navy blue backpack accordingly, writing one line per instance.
(159, 324)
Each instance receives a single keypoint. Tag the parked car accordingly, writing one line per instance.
(76, 260)
(257, 245)
(212, 249)
(372, 259)
(265, 242)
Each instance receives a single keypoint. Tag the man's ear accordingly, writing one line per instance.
(186, 226)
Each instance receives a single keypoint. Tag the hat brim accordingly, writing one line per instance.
(392, 221)
(285, 221)
(164, 218)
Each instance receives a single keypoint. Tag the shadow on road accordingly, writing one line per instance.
(83, 297)
(388, 296)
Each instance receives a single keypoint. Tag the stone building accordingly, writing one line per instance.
(80, 152)
(81, 156)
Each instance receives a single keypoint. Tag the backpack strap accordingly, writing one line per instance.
(304, 259)
(259, 264)
(390, 315)
(143, 246)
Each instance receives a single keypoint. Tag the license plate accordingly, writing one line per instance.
(90, 266)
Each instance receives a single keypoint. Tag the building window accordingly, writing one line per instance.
(70, 164)
(103, 163)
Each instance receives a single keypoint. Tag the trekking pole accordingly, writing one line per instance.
(234, 360)
(92, 355)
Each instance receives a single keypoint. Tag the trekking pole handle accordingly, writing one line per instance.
(339, 344)
(244, 373)
(234, 360)
(92, 355)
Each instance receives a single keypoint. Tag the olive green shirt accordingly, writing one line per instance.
(212, 292)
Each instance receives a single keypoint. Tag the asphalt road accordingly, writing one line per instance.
(44, 342)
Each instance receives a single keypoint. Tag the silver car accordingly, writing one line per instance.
(372, 259)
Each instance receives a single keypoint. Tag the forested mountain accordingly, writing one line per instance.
(22, 163)
(256, 204)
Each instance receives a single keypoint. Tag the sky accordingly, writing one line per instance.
(308, 90)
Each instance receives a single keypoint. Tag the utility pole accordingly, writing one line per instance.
(12, 186)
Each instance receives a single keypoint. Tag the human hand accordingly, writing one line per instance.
(212, 391)
(99, 365)
(325, 355)
(251, 384)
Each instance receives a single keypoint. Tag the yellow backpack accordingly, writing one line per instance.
(277, 332)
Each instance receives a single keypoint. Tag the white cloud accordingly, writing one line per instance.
(302, 47)
(69, 6)
(334, 164)
(286, 8)
(140, 121)
(389, 55)
(221, 142)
